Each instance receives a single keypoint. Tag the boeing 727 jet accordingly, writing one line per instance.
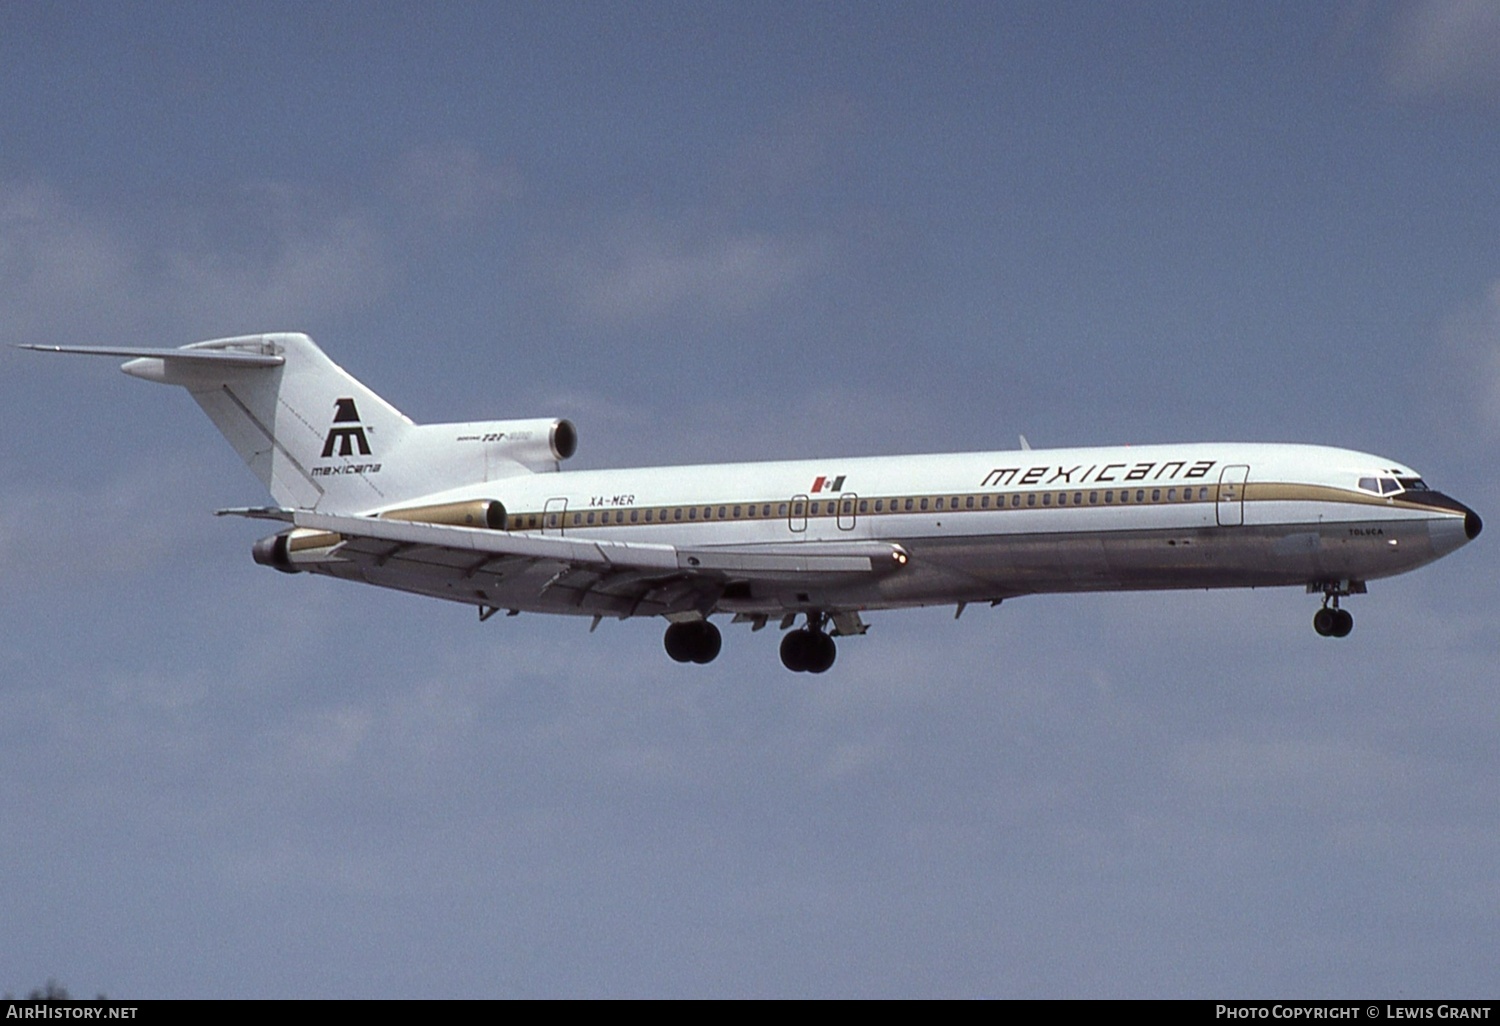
(480, 513)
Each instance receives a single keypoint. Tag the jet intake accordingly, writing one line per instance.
(538, 445)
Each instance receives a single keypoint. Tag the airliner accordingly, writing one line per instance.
(481, 513)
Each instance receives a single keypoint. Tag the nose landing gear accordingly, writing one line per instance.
(1331, 621)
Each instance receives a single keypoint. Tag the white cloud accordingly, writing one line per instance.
(452, 185)
(1473, 336)
(1447, 47)
(330, 264)
(62, 274)
(648, 271)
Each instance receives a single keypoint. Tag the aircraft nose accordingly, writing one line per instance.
(1447, 534)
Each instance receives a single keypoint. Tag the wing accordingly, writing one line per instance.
(560, 574)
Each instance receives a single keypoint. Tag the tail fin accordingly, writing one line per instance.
(310, 431)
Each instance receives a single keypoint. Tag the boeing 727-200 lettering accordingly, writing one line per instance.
(480, 513)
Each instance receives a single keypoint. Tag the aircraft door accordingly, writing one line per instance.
(847, 503)
(1231, 505)
(555, 516)
(796, 518)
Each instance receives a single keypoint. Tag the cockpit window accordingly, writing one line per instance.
(1392, 485)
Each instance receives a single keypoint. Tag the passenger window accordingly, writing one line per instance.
(969, 502)
(1031, 499)
(781, 509)
(940, 504)
(1062, 498)
(1140, 495)
(693, 513)
(677, 514)
(1015, 501)
(864, 505)
(737, 512)
(1093, 498)
(984, 502)
(1078, 498)
(723, 512)
(924, 503)
(1156, 495)
(577, 519)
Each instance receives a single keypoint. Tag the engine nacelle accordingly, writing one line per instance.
(288, 550)
(475, 513)
(535, 444)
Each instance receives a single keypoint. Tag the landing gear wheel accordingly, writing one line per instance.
(1333, 622)
(808, 651)
(796, 650)
(822, 651)
(697, 641)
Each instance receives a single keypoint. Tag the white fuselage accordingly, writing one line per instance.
(986, 526)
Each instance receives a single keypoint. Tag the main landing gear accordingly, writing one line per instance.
(808, 650)
(1331, 621)
(696, 641)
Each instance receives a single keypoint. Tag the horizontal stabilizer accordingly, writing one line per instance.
(258, 513)
(217, 357)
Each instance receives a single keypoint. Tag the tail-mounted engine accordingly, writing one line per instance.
(292, 551)
(538, 445)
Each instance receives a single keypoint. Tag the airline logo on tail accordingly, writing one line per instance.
(346, 437)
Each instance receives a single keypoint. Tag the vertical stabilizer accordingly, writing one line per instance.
(315, 436)
(308, 429)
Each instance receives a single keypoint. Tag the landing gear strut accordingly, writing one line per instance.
(808, 650)
(1331, 621)
(696, 641)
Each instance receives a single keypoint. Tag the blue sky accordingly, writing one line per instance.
(712, 232)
